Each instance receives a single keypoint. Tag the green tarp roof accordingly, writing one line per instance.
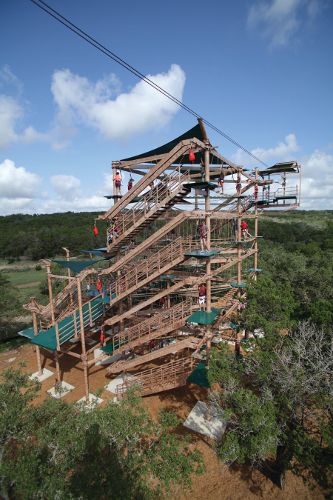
(288, 167)
(166, 148)
(202, 254)
(204, 317)
(199, 376)
(75, 265)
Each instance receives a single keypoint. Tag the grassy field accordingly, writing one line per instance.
(23, 278)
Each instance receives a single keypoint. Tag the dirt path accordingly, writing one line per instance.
(219, 481)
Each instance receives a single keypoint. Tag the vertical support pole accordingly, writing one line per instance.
(56, 361)
(49, 284)
(35, 326)
(207, 222)
(83, 341)
(256, 221)
(68, 272)
(239, 235)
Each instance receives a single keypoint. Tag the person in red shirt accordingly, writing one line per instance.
(117, 183)
(202, 296)
(130, 184)
(244, 229)
(99, 285)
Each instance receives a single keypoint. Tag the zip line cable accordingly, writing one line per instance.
(92, 41)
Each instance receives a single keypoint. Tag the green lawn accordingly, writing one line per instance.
(25, 277)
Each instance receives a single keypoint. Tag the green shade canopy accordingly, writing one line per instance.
(204, 317)
(166, 148)
(202, 254)
(278, 168)
(234, 284)
(75, 265)
(95, 251)
(199, 376)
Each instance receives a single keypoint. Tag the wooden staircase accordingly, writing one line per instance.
(157, 326)
(172, 349)
(142, 273)
(163, 378)
(150, 207)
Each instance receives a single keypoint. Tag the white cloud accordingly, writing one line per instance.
(11, 112)
(66, 186)
(17, 182)
(317, 181)
(280, 20)
(114, 115)
(282, 151)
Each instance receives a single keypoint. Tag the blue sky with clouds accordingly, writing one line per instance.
(259, 70)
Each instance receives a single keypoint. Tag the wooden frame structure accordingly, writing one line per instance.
(148, 308)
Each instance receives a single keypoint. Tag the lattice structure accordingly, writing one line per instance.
(182, 244)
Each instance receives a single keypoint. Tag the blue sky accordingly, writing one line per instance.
(259, 70)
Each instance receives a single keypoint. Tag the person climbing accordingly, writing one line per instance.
(202, 290)
(221, 183)
(117, 183)
(202, 230)
(244, 229)
(102, 335)
(99, 285)
(130, 184)
(110, 235)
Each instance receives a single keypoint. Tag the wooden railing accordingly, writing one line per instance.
(165, 377)
(168, 319)
(140, 274)
(149, 203)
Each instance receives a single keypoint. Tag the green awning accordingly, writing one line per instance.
(204, 317)
(166, 148)
(202, 254)
(75, 265)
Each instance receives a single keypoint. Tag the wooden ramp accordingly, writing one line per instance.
(124, 365)
(142, 273)
(163, 378)
(166, 321)
(150, 207)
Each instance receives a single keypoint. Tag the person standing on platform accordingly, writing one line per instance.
(202, 229)
(202, 290)
(245, 231)
(117, 183)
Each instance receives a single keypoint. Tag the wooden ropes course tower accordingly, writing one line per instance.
(181, 245)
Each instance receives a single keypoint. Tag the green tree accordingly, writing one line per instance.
(278, 404)
(57, 450)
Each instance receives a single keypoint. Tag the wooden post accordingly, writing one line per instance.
(49, 284)
(239, 232)
(207, 222)
(56, 360)
(83, 341)
(35, 326)
(256, 221)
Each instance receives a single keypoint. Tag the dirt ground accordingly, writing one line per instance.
(219, 481)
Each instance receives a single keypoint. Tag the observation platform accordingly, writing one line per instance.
(67, 327)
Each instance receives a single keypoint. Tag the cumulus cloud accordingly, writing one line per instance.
(281, 151)
(66, 186)
(11, 112)
(115, 115)
(279, 21)
(17, 182)
(18, 188)
(317, 181)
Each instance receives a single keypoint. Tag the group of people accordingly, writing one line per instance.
(117, 182)
(113, 232)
